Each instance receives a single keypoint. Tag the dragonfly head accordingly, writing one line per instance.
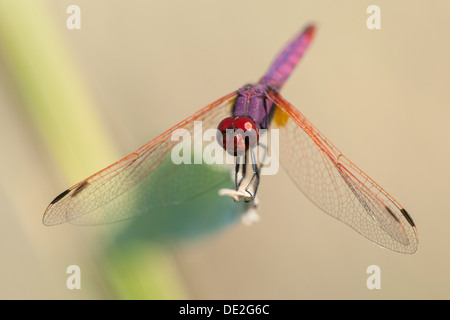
(237, 134)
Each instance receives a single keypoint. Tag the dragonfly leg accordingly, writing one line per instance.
(243, 173)
(236, 171)
(240, 173)
(254, 176)
(263, 158)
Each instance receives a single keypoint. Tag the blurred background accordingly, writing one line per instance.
(74, 101)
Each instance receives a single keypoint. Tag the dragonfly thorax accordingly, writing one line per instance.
(252, 102)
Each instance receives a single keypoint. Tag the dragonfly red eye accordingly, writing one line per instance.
(237, 134)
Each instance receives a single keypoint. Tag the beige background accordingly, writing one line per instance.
(380, 95)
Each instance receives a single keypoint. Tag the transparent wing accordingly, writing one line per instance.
(337, 186)
(145, 179)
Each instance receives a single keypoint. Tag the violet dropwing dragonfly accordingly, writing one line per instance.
(322, 172)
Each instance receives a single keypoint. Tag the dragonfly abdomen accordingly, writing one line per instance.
(286, 61)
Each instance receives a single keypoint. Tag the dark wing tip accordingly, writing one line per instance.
(62, 195)
(48, 219)
(79, 188)
(408, 217)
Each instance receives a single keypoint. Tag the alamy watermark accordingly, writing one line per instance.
(74, 20)
(374, 20)
(374, 280)
(74, 280)
(204, 147)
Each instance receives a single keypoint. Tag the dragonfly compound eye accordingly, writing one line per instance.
(237, 134)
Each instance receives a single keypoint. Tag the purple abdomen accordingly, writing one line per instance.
(286, 61)
(252, 100)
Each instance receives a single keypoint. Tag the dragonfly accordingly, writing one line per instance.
(315, 165)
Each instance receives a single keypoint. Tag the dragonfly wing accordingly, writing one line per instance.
(336, 185)
(143, 180)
